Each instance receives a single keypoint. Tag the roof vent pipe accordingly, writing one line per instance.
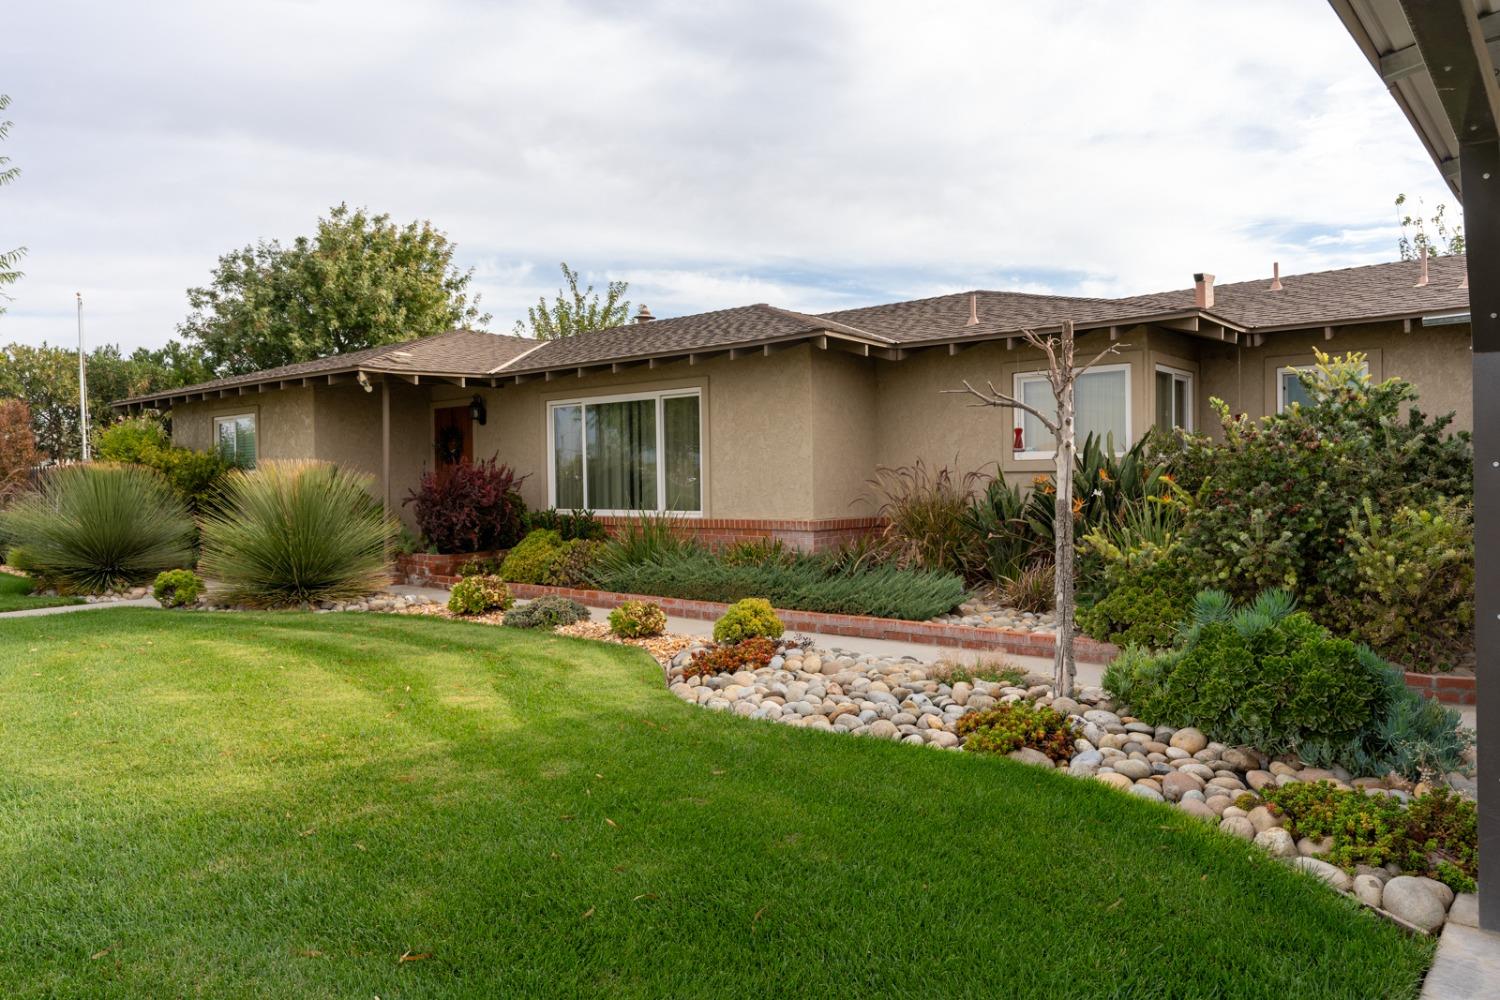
(1465, 282)
(1423, 279)
(643, 315)
(1276, 276)
(973, 309)
(1203, 291)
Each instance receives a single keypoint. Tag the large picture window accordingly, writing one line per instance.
(1101, 405)
(627, 454)
(234, 439)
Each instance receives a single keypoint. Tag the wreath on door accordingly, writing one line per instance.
(450, 445)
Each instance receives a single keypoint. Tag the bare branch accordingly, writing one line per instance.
(997, 398)
(1111, 349)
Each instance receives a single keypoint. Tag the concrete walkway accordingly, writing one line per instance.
(1467, 966)
(1088, 673)
(139, 602)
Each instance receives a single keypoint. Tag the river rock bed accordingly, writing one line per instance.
(918, 703)
(986, 612)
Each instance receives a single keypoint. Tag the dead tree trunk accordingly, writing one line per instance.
(1062, 375)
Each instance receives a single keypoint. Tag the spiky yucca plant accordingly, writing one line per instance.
(90, 528)
(294, 532)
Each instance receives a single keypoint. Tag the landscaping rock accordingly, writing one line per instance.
(1465, 910)
(1115, 780)
(1367, 889)
(1332, 874)
(1237, 826)
(1026, 755)
(1413, 901)
(1198, 809)
(1145, 790)
(1259, 779)
(884, 729)
(1189, 740)
(1176, 784)
(1263, 819)
(1443, 892)
(1276, 842)
(1132, 768)
(1307, 847)
(1240, 760)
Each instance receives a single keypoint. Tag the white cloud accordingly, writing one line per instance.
(815, 155)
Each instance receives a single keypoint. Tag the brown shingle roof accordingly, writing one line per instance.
(454, 352)
(742, 325)
(1306, 300)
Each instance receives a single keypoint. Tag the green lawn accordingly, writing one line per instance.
(15, 595)
(285, 805)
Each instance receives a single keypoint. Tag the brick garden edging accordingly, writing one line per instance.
(865, 627)
(1455, 689)
(422, 569)
(430, 569)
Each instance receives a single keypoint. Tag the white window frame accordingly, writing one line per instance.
(1120, 446)
(660, 396)
(1186, 377)
(1286, 370)
(224, 418)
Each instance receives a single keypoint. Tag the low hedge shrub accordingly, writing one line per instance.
(532, 558)
(175, 588)
(804, 583)
(544, 558)
(729, 658)
(569, 525)
(549, 613)
(751, 618)
(1269, 677)
(638, 620)
(1009, 727)
(1436, 835)
(475, 595)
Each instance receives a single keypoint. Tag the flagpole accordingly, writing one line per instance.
(83, 384)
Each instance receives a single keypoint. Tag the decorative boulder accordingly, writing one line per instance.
(1413, 901)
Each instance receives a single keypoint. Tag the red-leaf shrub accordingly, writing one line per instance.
(17, 448)
(470, 507)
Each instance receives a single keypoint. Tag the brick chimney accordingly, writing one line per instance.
(644, 314)
(1203, 291)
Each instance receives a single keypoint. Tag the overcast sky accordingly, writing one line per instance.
(814, 155)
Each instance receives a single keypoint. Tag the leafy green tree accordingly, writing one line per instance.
(8, 258)
(360, 281)
(1442, 241)
(46, 379)
(575, 311)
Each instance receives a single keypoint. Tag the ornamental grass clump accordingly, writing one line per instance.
(296, 532)
(93, 528)
(1010, 727)
(638, 620)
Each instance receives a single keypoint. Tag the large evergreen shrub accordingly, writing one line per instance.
(1268, 676)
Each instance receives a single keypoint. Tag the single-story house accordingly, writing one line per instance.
(758, 422)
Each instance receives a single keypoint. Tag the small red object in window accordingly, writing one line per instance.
(1020, 441)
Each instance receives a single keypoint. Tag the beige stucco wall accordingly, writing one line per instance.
(283, 422)
(918, 419)
(1436, 360)
(757, 450)
(844, 425)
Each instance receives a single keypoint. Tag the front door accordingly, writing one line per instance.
(452, 438)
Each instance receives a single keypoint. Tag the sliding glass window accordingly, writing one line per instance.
(628, 454)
